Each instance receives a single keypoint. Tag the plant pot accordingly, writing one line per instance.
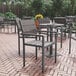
(37, 24)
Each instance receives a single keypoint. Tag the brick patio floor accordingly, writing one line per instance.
(11, 62)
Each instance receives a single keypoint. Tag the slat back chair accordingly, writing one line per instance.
(27, 28)
(70, 18)
(61, 20)
(72, 31)
(74, 19)
(22, 29)
(71, 22)
(71, 37)
(44, 21)
(74, 25)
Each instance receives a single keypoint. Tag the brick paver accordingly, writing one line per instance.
(11, 63)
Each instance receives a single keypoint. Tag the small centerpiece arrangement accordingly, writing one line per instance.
(38, 16)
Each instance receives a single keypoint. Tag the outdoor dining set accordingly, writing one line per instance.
(43, 37)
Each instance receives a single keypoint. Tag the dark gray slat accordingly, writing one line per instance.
(44, 20)
(39, 43)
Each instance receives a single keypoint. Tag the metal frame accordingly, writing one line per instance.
(61, 20)
(70, 37)
(23, 35)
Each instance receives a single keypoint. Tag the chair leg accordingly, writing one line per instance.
(61, 37)
(39, 38)
(36, 52)
(55, 48)
(65, 34)
(23, 52)
(55, 53)
(47, 36)
(42, 59)
(70, 44)
(15, 28)
(42, 54)
(51, 35)
(18, 45)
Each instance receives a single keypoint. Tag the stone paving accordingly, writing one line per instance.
(11, 63)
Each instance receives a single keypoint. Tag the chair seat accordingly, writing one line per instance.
(39, 43)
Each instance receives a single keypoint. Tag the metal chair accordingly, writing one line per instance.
(44, 21)
(61, 20)
(72, 31)
(27, 29)
(71, 22)
(46, 24)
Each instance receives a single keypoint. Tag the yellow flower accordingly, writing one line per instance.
(39, 16)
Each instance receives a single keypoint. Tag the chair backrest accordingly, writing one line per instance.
(26, 17)
(44, 20)
(60, 20)
(71, 18)
(74, 19)
(28, 26)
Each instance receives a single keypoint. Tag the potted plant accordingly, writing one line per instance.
(38, 16)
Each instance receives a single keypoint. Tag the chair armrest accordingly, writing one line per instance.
(47, 31)
(35, 36)
(32, 35)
